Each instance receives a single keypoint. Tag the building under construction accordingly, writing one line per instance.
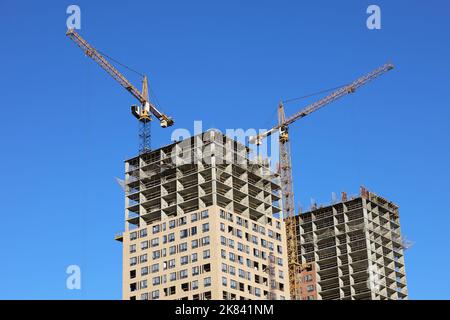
(202, 221)
(351, 250)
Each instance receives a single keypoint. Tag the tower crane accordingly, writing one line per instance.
(142, 112)
(286, 167)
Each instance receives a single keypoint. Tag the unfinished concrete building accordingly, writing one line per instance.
(352, 250)
(202, 221)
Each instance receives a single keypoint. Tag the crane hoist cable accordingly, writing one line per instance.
(313, 94)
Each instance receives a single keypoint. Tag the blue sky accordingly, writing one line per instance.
(66, 126)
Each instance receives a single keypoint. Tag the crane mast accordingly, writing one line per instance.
(143, 112)
(285, 162)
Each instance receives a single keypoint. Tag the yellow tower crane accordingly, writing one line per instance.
(143, 112)
(286, 167)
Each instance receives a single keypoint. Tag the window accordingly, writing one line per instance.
(194, 244)
(171, 237)
(133, 261)
(144, 271)
(222, 226)
(172, 224)
(307, 278)
(193, 231)
(207, 282)
(173, 276)
(144, 296)
(172, 263)
(262, 230)
(155, 295)
(205, 214)
(206, 254)
(194, 217)
(155, 267)
(205, 227)
(223, 254)
(231, 243)
(224, 267)
(155, 242)
(232, 256)
(224, 281)
(239, 233)
(233, 284)
(194, 285)
(143, 258)
(194, 257)
(183, 274)
(143, 284)
(183, 247)
(310, 288)
(144, 245)
(280, 262)
(195, 271)
(156, 229)
(156, 281)
(223, 240)
(232, 270)
(241, 273)
(156, 254)
(132, 248)
(133, 235)
(257, 292)
(143, 233)
(132, 274)
(182, 221)
(184, 233)
(172, 249)
(263, 243)
(184, 260)
(205, 241)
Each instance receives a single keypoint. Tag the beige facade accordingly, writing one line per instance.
(202, 221)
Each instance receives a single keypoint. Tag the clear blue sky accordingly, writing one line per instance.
(66, 126)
